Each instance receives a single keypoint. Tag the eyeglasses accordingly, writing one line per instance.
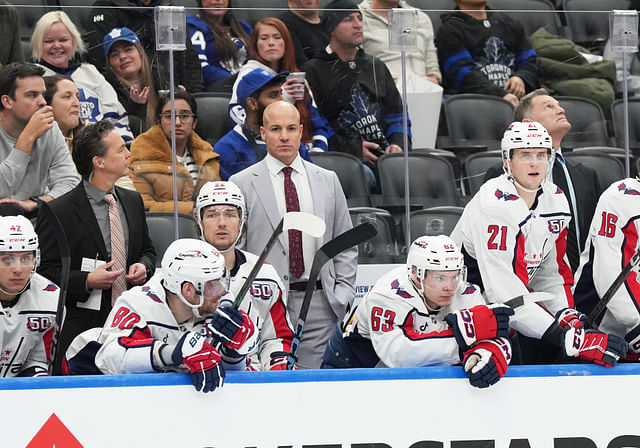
(17, 260)
(183, 116)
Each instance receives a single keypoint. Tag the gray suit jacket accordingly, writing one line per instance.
(329, 203)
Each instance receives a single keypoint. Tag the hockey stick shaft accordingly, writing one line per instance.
(65, 260)
(342, 242)
(529, 298)
(608, 295)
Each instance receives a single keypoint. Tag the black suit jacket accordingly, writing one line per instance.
(85, 241)
(587, 189)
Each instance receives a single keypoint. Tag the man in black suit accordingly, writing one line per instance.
(584, 190)
(98, 268)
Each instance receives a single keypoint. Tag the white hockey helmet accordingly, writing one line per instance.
(522, 135)
(436, 253)
(17, 235)
(193, 261)
(220, 193)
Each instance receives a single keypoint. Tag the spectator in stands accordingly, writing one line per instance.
(138, 16)
(57, 45)
(272, 50)
(35, 164)
(221, 40)
(481, 51)
(243, 146)
(129, 72)
(64, 98)
(150, 165)
(106, 230)
(307, 30)
(375, 20)
(11, 49)
(355, 91)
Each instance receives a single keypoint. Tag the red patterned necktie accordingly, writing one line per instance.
(118, 248)
(296, 261)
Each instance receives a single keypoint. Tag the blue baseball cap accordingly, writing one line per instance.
(256, 80)
(118, 34)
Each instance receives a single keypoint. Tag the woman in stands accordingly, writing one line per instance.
(64, 98)
(150, 165)
(129, 72)
(221, 40)
(57, 45)
(271, 48)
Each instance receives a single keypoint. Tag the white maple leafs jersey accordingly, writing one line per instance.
(511, 250)
(26, 329)
(613, 239)
(392, 326)
(267, 308)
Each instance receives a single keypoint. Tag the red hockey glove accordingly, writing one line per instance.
(233, 328)
(202, 360)
(594, 346)
(478, 323)
(568, 317)
(487, 361)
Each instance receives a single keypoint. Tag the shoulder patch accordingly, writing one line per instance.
(395, 285)
(559, 190)
(626, 190)
(50, 287)
(506, 196)
(470, 289)
(150, 294)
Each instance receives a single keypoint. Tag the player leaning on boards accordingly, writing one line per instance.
(426, 314)
(171, 323)
(513, 235)
(221, 214)
(28, 302)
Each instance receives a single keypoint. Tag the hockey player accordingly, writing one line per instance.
(158, 326)
(426, 314)
(613, 240)
(28, 302)
(221, 213)
(513, 235)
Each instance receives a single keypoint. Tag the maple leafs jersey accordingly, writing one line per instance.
(612, 241)
(510, 249)
(26, 329)
(392, 326)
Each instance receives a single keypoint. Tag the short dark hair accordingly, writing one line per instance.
(16, 70)
(178, 95)
(87, 144)
(524, 106)
(51, 86)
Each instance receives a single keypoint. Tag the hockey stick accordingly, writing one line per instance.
(304, 222)
(529, 298)
(65, 259)
(608, 295)
(342, 242)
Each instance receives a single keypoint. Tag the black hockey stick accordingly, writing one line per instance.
(608, 295)
(65, 259)
(529, 298)
(342, 242)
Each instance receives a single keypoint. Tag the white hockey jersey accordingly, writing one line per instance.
(511, 250)
(267, 309)
(26, 329)
(392, 326)
(613, 239)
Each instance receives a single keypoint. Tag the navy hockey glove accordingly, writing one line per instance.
(202, 360)
(568, 317)
(487, 361)
(594, 346)
(478, 323)
(233, 328)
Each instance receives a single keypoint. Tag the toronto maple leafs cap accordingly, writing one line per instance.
(118, 34)
(256, 80)
(336, 11)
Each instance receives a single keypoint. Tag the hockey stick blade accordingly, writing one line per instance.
(342, 242)
(526, 299)
(608, 295)
(304, 222)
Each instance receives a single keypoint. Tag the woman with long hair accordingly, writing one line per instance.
(64, 98)
(56, 47)
(221, 40)
(129, 72)
(150, 164)
(271, 48)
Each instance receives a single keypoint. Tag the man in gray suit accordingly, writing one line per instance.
(279, 183)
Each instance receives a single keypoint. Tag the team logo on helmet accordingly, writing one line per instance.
(506, 196)
(626, 190)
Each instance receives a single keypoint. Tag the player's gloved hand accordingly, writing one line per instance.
(233, 328)
(202, 360)
(568, 317)
(595, 346)
(633, 338)
(478, 323)
(279, 361)
(487, 361)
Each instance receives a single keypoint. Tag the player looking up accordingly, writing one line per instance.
(513, 235)
(426, 314)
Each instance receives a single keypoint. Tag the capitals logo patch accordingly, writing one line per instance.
(50, 287)
(506, 196)
(623, 187)
(151, 294)
(559, 190)
(470, 289)
(395, 285)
